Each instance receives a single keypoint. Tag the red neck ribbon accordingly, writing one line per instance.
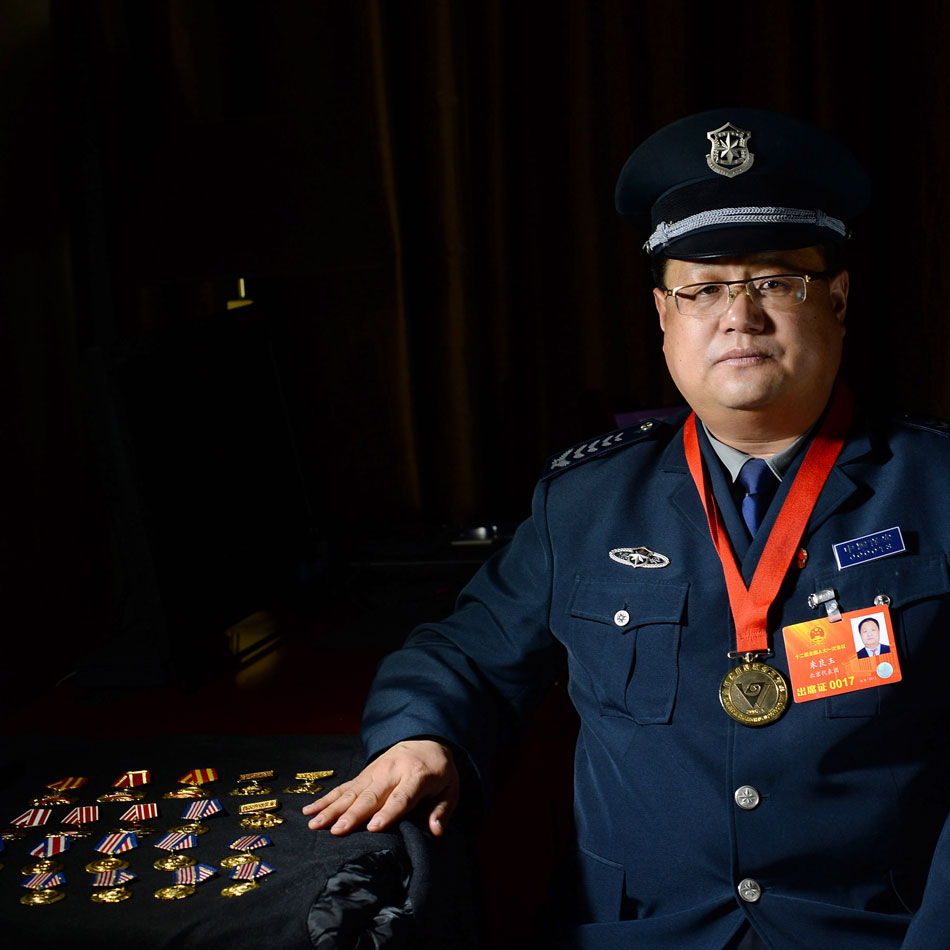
(750, 606)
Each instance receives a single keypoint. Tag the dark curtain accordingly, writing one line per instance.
(420, 196)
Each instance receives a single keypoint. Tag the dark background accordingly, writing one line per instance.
(419, 195)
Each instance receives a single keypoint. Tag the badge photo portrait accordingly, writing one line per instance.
(860, 646)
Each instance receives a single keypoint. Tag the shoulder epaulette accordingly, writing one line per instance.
(601, 446)
(927, 423)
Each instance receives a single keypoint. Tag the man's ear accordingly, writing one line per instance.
(838, 287)
(660, 298)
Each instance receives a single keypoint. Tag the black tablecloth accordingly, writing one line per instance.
(399, 889)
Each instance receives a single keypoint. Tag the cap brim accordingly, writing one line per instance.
(741, 239)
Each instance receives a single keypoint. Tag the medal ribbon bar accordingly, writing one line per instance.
(117, 843)
(50, 846)
(66, 784)
(33, 818)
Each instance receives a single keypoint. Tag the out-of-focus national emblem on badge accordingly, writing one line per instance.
(729, 153)
(639, 557)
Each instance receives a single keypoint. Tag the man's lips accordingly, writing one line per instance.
(744, 356)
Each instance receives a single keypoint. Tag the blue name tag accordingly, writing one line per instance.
(869, 548)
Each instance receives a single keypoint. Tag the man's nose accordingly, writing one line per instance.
(744, 313)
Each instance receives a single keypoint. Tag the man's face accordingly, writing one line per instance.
(870, 633)
(748, 358)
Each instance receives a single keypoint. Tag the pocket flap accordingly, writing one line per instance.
(645, 602)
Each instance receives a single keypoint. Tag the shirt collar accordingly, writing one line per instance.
(733, 459)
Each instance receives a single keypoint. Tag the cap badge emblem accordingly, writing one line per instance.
(639, 557)
(729, 152)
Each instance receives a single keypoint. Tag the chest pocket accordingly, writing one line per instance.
(918, 592)
(626, 635)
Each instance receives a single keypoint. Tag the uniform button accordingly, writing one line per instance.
(747, 797)
(621, 618)
(750, 890)
(882, 600)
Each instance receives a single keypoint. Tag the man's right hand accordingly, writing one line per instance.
(406, 774)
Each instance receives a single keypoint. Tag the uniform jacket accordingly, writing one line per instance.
(853, 788)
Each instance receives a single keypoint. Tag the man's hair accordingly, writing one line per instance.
(868, 620)
(832, 261)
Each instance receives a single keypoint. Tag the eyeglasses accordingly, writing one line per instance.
(775, 292)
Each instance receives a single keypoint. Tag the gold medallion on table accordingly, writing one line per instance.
(304, 788)
(140, 831)
(43, 866)
(236, 860)
(186, 791)
(241, 887)
(754, 694)
(260, 815)
(110, 895)
(252, 788)
(80, 831)
(262, 821)
(175, 892)
(54, 799)
(307, 784)
(190, 828)
(106, 864)
(121, 797)
(48, 896)
(172, 862)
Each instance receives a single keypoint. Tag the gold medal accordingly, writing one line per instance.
(106, 864)
(54, 799)
(186, 791)
(311, 776)
(241, 887)
(48, 896)
(236, 860)
(264, 820)
(754, 694)
(175, 892)
(111, 895)
(125, 796)
(43, 866)
(140, 831)
(172, 862)
(190, 828)
(254, 788)
(304, 788)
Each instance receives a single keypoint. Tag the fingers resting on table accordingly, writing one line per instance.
(392, 785)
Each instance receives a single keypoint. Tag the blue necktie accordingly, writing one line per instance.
(759, 483)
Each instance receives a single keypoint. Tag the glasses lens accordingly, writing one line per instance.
(699, 300)
(781, 289)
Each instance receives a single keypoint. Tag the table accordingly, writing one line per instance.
(401, 889)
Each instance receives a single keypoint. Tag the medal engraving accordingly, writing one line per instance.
(754, 694)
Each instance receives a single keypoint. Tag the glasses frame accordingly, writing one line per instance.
(746, 286)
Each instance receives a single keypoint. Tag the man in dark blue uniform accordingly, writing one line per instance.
(739, 781)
